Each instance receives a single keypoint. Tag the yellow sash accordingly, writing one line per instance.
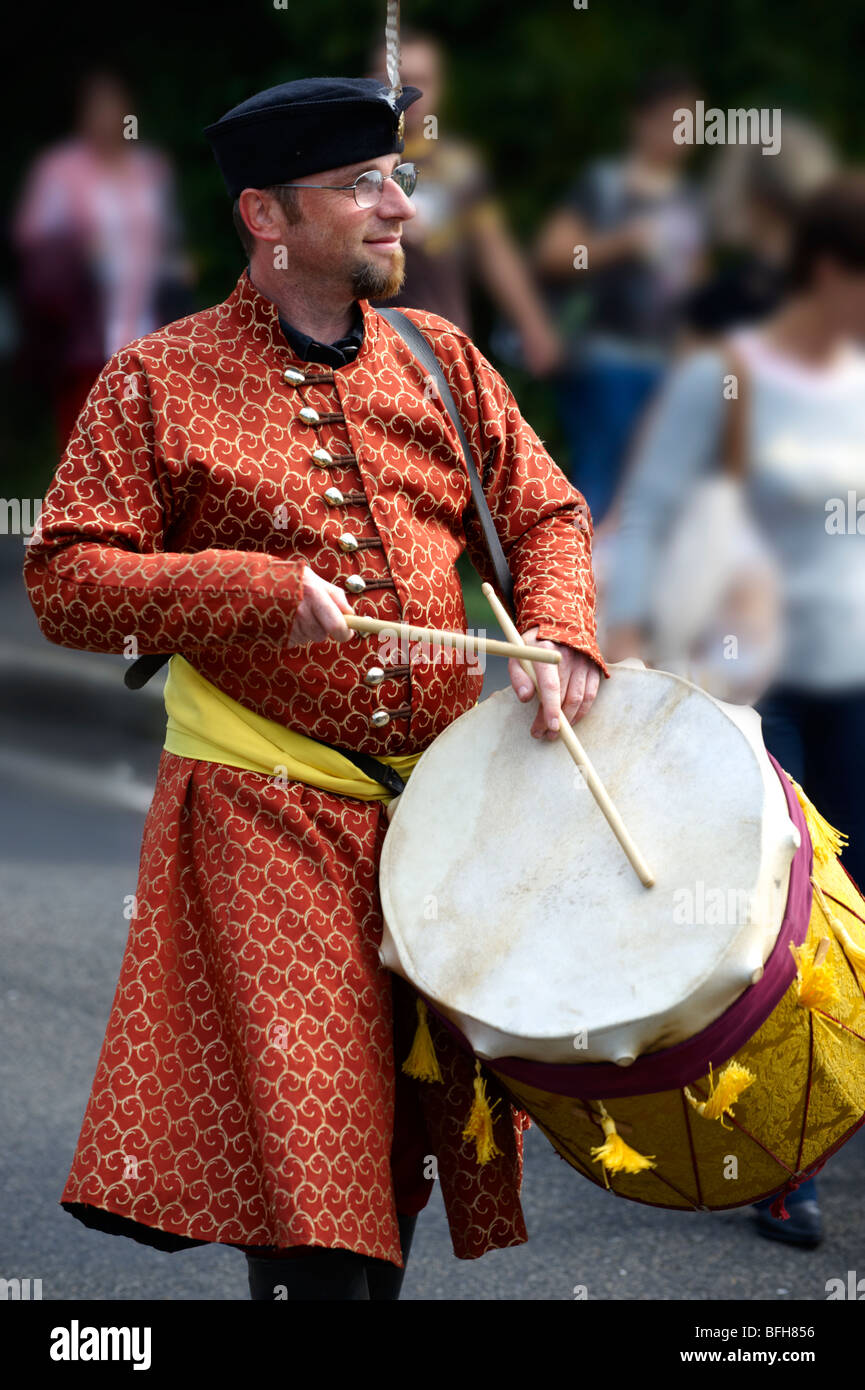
(204, 722)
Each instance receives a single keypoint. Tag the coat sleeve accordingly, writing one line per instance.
(544, 523)
(99, 570)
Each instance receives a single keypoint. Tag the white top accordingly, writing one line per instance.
(806, 474)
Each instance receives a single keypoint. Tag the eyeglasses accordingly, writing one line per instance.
(368, 187)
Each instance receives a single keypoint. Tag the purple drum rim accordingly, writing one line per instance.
(687, 1061)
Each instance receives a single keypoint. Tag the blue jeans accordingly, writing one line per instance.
(599, 406)
(820, 740)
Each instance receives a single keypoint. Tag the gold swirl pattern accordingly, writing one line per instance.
(186, 505)
(247, 1090)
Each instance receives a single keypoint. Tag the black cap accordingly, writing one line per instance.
(306, 126)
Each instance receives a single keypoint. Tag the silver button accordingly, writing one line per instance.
(293, 376)
(348, 541)
(334, 497)
(355, 584)
(309, 416)
(321, 458)
(374, 676)
(379, 718)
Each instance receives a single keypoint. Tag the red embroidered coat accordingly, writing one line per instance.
(247, 1090)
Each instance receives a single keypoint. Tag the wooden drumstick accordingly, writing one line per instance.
(575, 748)
(462, 641)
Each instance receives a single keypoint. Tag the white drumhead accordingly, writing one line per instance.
(510, 904)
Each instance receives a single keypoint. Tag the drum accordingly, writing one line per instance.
(698, 1044)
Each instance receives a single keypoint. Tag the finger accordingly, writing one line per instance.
(549, 713)
(574, 694)
(340, 598)
(328, 617)
(593, 685)
(549, 681)
(522, 684)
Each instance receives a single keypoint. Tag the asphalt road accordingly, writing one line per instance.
(75, 786)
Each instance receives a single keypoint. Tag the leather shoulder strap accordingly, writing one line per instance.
(734, 441)
(421, 348)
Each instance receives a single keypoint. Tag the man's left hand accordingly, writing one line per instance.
(568, 689)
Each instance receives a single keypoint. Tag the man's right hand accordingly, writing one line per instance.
(319, 615)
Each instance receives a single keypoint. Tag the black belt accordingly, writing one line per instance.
(379, 772)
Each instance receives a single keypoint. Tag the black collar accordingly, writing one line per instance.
(336, 354)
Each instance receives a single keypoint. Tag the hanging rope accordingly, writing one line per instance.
(392, 52)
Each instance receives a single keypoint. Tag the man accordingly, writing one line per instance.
(235, 484)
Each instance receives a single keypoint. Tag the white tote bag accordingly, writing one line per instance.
(716, 599)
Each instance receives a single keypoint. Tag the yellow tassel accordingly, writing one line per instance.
(421, 1062)
(480, 1125)
(855, 953)
(723, 1094)
(826, 841)
(817, 989)
(614, 1155)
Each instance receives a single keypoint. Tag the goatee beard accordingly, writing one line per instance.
(372, 281)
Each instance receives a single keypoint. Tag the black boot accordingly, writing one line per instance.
(805, 1226)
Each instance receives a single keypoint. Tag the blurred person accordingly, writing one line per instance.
(751, 202)
(98, 236)
(460, 230)
(640, 220)
(805, 482)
